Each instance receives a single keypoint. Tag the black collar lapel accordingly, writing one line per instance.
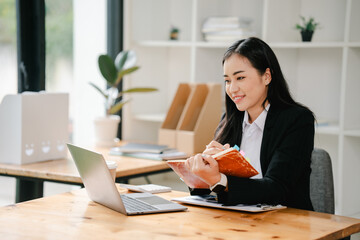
(267, 136)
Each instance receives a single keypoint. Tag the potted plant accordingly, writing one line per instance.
(113, 72)
(307, 28)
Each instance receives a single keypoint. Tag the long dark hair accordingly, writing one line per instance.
(261, 57)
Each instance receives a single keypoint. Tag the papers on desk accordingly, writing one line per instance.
(209, 201)
(142, 147)
(148, 151)
(150, 188)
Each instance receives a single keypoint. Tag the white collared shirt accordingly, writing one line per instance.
(252, 138)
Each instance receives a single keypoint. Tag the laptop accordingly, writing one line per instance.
(101, 188)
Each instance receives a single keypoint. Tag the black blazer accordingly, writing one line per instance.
(287, 144)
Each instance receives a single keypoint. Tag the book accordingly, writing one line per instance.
(148, 151)
(231, 162)
(141, 147)
(152, 156)
(226, 29)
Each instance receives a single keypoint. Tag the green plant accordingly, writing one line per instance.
(307, 25)
(113, 72)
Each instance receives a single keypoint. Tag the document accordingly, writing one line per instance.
(210, 201)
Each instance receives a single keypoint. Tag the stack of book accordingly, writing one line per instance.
(226, 29)
(148, 151)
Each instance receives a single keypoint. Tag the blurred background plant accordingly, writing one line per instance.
(307, 25)
(307, 28)
(113, 72)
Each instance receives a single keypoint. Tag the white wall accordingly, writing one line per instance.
(8, 70)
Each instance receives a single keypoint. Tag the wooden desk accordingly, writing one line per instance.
(73, 216)
(30, 177)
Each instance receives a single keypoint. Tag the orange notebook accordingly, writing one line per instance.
(230, 161)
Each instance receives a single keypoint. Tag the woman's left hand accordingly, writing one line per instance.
(205, 167)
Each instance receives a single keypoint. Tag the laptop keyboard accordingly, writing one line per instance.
(134, 205)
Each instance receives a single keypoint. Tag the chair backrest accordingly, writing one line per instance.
(321, 182)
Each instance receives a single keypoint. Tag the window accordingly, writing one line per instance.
(8, 57)
(59, 50)
(75, 37)
(59, 45)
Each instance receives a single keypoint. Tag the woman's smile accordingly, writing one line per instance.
(238, 98)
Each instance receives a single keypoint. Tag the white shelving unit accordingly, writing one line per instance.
(322, 74)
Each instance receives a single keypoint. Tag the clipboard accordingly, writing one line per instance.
(210, 201)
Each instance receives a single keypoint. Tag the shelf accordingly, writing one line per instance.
(213, 44)
(354, 44)
(285, 45)
(352, 133)
(329, 129)
(164, 43)
(335, 130)
(307, 44)
(313, 44)
(159, 117)
(203, 44)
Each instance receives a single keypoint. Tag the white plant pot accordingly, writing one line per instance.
(106, 130)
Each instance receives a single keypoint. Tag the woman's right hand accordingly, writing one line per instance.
(214, 147)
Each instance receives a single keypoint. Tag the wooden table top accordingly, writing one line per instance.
(64, 170)
(73, 216)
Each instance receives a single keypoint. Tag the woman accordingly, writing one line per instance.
(273, 130)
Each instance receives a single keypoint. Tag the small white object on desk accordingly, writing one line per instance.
(150, 188)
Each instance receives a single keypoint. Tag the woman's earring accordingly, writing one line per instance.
(267, 82)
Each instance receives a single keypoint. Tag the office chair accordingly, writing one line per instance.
(321, 182)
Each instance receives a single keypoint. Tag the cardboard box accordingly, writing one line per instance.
(167, 132)
(200, 118)
(192, 118)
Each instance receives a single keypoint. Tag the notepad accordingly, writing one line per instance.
(210, 201)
